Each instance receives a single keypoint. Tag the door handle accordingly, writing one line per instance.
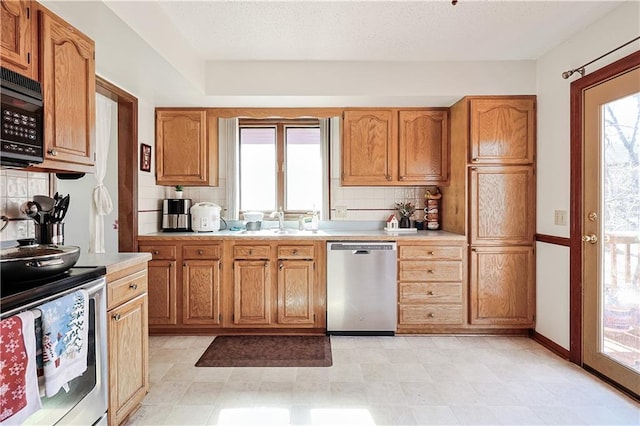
(593, 238)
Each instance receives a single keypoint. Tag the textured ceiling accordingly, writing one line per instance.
(368, 30)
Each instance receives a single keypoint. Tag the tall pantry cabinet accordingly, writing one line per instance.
(491, 199)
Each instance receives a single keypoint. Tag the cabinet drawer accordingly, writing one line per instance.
(430, 314)
(431, 252)
(251, 252)
(295, 252)
(126, 288)
(201, 252)
(424, 270)
(430, 293)
(159, 252)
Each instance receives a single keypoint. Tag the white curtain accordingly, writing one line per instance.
(101, 201)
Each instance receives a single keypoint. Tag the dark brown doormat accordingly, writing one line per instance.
(267, 351)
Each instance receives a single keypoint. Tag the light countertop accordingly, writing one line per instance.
(323, 234)
(114, 262)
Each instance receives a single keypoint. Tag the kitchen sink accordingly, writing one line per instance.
(286, 231)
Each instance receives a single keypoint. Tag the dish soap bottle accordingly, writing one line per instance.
(314, 221)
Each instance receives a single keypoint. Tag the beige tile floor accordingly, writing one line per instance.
(410, 380)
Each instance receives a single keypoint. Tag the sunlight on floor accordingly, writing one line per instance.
(341, 416)
(254, 416)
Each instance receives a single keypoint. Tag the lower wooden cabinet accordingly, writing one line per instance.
(201, 267)
(128, 342)
(128, 358)
(162, 292)
(502, 286)
(296, 283)
(251, 292)
(431, 286)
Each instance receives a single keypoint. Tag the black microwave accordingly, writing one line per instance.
(22, 119)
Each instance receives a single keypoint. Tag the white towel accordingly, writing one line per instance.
(19, 396)
(65, 332)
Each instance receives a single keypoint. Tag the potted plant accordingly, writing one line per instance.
(405, 210)
(178, 190)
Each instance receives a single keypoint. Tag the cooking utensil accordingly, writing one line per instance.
(31, 262)
(30, 209)
(46, 203)
(60, 209)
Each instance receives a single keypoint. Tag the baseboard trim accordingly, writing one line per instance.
(549, 344)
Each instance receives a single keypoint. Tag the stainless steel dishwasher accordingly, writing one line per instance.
(361, 288)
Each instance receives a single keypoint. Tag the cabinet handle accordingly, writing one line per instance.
(281, 265)
(429, 315)
(250, 252)
(474, 168)
(474, 159)
(388, 177)
(116, 317)
(474, 249)
(295, 252)
(266, 264)
(200, 252)
(431, 271)
(400, 178)
(133, 286)
(430, 253)
(429, 293)
(156, 252)
(170, 265)
(52, 152)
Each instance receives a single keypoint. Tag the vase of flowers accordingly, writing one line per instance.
(405, 210)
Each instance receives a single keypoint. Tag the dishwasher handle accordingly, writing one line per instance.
(361, 252)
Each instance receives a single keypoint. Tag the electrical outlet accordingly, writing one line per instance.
(341, 212)
(560, 217)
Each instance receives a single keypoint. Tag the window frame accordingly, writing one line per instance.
(280, 126)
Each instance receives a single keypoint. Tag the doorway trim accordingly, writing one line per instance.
(575, 280)
(127, 163)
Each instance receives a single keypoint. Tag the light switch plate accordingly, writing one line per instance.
(560, 217)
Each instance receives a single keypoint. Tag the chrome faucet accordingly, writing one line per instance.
(280, 214)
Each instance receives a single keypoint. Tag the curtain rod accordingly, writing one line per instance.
(581, 70)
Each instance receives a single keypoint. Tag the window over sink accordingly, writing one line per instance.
(279, 163)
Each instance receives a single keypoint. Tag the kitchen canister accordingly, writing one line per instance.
(432, 202)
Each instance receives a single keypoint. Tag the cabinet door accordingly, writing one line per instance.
(295, 292)
(184, 153)
(162, 292)
(251, 292)
(128, 358)
(502, 131)
(68, 83)
(17, 37)
(201, 291)
(502, 286)
(423, 147)
(369, 148)
(502, 205)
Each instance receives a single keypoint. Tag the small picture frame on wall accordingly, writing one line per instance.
(145, 157)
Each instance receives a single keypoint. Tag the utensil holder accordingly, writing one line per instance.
(50, 233)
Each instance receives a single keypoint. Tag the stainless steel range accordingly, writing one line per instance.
(86, 401)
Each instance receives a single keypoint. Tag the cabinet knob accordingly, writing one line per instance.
(116, 317)
(388, 177)
(200, 252)
(266, 264)
(474, 159)
(429, 315)
(295, 251)
(429, 293)
(431, 271)
(133, 286)
(474, 168)
(430, 253)
(250, 252)
(52, 152)
(281, 265)
(400, 178)
(156, 252)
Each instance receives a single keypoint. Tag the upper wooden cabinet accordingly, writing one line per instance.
(67, 59)
(395, 147)
(502, 131)
(19, 37)
(423, 147)
(369, 155)
(186, 147)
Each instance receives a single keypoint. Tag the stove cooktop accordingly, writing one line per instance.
(18, 293)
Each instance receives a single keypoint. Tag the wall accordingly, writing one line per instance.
(553, 160)
(17, 187)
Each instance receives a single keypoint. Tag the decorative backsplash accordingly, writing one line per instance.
(16, 187)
